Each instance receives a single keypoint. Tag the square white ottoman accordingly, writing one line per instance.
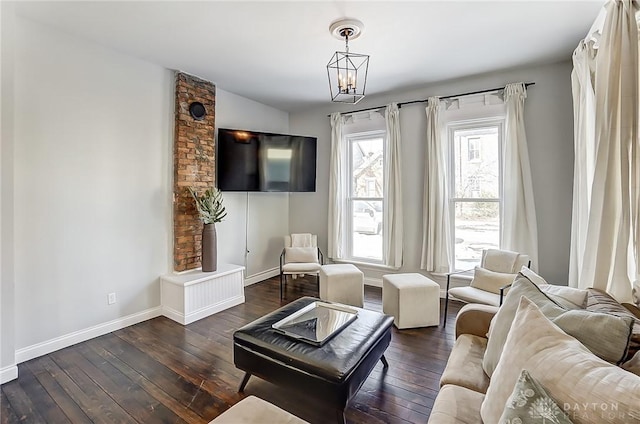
(342, 283)
(412, 299)
(253, 410)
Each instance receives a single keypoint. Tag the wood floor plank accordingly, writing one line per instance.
(93, 401)
(149, 386)
(47, 407)
(7, 414)
(191, 395)
(49, 382)
(159, 371)
(129, 394)
(200, 372)
(21, 402)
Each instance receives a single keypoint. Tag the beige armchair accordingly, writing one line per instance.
(497, 270)
(300, 256)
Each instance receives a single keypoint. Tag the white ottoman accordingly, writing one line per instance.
(342, 283)
(412, 299)
(253, 410)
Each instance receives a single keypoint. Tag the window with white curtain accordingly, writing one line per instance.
(475, 188)
(364, 202)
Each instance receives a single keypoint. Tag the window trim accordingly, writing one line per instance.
(347, 207)
(451, 127)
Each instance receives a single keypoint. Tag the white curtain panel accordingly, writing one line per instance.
(584, 135)
(614, 193)
(436, 237)
(337, 190)
(392, 249)
(519, 225)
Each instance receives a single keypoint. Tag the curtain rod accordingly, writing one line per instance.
(470, 93)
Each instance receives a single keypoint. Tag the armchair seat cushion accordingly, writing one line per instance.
(474, 295)
(301, 268)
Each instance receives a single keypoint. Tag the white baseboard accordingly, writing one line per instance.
(183, 319)
(261, 276)
(43, 348)
(375, 282)
(8, 373)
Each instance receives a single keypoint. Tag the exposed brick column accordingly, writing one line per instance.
(193, 166)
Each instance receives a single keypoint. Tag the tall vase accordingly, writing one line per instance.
(209, 248)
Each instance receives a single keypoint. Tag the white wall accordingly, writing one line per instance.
(260, 219)
(549, 126)
(94, 130)
(90, 183)
(8, 370)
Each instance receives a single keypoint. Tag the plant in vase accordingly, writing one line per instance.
(210, 211)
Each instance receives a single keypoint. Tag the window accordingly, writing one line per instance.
(364, 203)
(474, 188)
(473, 146)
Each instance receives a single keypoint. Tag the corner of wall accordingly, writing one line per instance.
(8, 369)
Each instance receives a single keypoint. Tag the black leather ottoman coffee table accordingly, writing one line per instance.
(332, 373)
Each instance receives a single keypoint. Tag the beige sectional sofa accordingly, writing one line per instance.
(586, 388)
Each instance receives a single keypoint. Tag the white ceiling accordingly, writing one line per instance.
(277, 52)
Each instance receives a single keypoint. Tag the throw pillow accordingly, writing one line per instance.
(530, 403)
(301, 254)
(605, 335)
(533, 276)
(501, 322)
(588, 389)
(577, 298)
(490, 281)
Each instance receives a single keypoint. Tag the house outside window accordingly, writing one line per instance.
(365, 199)
(475, 188)
(473, 145)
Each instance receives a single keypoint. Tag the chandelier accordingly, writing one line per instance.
(347, 71)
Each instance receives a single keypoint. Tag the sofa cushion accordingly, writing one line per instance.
(490, 281)
(610, 344)
(530, 403)
(587, 388)
(456, 405)
(464, 367)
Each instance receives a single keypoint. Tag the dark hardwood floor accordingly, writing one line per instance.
(159, 371)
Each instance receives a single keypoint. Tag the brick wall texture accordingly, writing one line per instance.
(193, 166)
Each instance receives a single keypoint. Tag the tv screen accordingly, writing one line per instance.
(257, 161)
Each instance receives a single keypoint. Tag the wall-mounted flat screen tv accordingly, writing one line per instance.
(258, 161)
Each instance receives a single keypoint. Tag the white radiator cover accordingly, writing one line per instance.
(193, 295)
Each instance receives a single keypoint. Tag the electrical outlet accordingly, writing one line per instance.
(112, 298)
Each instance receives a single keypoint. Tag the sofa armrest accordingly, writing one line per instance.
(474, 319)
